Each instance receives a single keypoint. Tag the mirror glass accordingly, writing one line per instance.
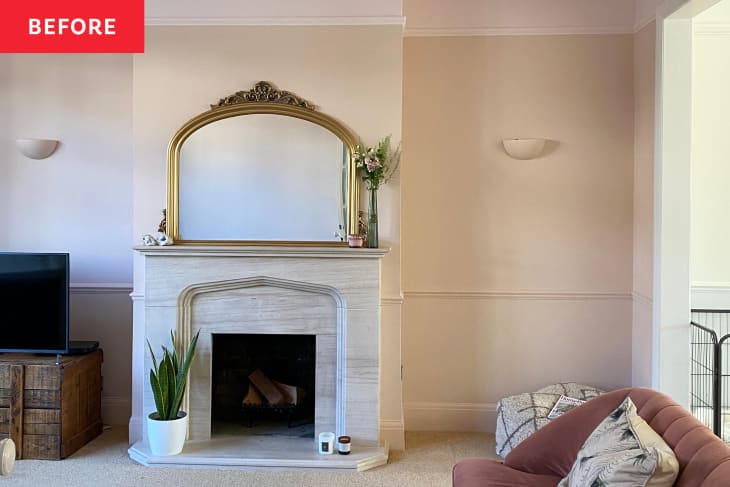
(262, 177)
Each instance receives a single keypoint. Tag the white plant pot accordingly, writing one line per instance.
(167, 437)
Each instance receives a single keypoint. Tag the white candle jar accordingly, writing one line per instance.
(326, 443)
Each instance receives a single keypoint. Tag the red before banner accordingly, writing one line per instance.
(66, 26)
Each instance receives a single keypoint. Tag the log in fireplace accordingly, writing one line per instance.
(264, 382)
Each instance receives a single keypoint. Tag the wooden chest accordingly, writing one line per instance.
(50, 409)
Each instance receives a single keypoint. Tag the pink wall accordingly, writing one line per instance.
(79, 200)
(515, 273)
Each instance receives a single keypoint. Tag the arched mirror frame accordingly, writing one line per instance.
(264, 98)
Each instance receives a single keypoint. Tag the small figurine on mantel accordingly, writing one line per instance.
(149, 240)
(162, 237)
(163, 223)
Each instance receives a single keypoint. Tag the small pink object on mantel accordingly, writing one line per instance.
(355, 241)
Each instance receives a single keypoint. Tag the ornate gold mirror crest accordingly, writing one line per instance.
(262, 167)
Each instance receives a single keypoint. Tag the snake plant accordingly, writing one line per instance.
(169, 377)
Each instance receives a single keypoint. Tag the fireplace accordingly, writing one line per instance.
(263, 384)
(328, 297)
(264, 306)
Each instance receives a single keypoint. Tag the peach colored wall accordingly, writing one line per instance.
(644, 67)
(516, 274)
(353, 73)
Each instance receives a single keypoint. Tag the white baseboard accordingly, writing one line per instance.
(392, 432)
(115, 410)
(450, 416)
(135, 429)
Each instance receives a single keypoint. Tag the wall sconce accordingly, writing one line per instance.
(523, 148)
(36, 148)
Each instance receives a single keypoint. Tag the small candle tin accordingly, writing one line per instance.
(343, 445)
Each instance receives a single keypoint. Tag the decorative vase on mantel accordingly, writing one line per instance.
(372, 234)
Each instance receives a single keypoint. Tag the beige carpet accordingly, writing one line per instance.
(426, 462)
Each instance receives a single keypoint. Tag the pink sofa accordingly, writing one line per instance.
(547, 456)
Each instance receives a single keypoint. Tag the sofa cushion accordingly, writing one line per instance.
(704, 459)
(667, 467)
(623, 450)
(481, 472)
(519, 416)
(538, 453)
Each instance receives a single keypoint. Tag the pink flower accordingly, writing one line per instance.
(372, 163)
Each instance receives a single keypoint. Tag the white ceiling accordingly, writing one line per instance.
(717, 14)
(423, 17)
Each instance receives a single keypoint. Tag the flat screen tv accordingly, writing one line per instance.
(34, 302)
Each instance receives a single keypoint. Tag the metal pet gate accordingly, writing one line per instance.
(710, 369)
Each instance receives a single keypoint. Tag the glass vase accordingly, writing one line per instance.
(372, 241)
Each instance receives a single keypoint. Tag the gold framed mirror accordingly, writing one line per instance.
(262, 167)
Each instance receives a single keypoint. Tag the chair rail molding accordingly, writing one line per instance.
(391, 300)
(100, 287)
(641, 298)
(521, 295)
(710, 295)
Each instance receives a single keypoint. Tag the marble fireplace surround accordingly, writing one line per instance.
(330, 292)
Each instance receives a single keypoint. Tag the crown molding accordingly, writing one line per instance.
(519, 31)
(644, 22)
(272, 21)
(486, 31)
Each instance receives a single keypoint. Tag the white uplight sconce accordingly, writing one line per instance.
(36, 148)
(524, 148)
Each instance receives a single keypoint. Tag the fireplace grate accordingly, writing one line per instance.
(290, 411)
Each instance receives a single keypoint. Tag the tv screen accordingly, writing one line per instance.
(34, 302)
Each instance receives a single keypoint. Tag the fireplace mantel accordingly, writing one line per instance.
(262, 251)
(332, 293)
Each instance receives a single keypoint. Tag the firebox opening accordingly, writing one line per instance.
(263, 384)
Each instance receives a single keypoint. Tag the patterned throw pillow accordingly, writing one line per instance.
(521, 415)
(623, 451)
